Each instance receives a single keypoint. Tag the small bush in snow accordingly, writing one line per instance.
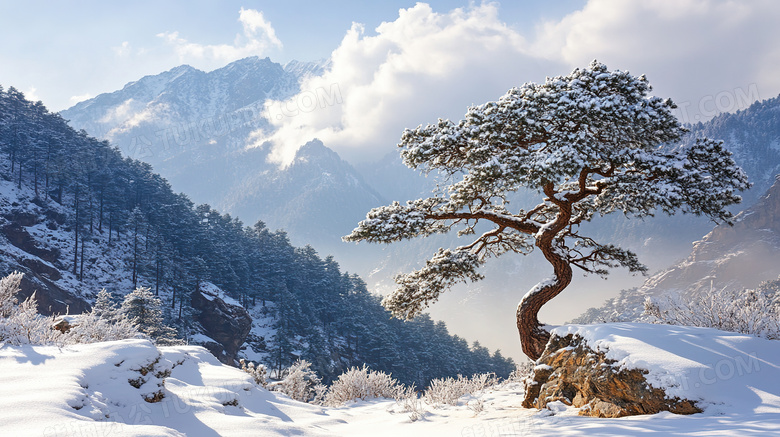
(299, 382)
(21, 324)
(521, 372)
(9, 286)
(259, 372)
(91, 328)
(755, 312)
(410, 403)
(362, 383)
(447, 391)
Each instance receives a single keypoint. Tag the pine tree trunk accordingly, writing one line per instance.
(100, 214)
(76, 244)
(533, 336)
(81, 269)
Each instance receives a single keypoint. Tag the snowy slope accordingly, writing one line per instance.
(84, 390)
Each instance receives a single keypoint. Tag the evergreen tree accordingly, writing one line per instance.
(144, 310)
(589, 142)
(104, 307)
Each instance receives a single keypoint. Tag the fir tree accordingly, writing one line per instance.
(144, 310)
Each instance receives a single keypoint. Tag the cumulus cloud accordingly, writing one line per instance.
(422, 66)
(690, 50)
(708, 55)
(257, 37)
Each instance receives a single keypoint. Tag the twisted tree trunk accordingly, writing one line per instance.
(533, 336)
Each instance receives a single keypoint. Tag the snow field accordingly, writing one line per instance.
(85, 390)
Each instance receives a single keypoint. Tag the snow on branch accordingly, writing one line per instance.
(702, 179)
(593, 257)
(418, 289)
(396, 222)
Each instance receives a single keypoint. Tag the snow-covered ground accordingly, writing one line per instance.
(85, 390)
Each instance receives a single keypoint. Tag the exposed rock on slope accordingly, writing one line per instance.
(224, 322)
(570, 371)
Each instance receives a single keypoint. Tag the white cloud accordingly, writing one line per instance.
(31, 94)
(690, 50)
(257, 37)
(81, 98)
(122, 49)
(422, 66)
(426, 65)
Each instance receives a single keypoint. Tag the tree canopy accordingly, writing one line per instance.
(591, 142)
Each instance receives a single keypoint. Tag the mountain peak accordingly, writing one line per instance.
(302, 69)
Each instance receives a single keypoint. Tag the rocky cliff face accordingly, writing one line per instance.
(226, 323)
(570, 371)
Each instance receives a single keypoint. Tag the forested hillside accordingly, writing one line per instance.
(107, 221)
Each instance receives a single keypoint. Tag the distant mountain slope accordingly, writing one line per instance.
(735, 257)
(317, 199)
(76, 217)
(193, 126)
(753, 136)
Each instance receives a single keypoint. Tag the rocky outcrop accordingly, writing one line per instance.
(50, 298)
(228, 324)
(570, 371)
(19, 237)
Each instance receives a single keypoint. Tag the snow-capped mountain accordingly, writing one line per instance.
(193, 127)
(317, 199)
(184, 109)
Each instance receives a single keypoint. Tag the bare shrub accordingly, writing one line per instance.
(447, 391)
(258, 372)
(755, 312)
(299, 382)
(364, 384)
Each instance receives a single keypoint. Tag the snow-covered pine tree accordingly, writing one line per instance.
(591, 142)
(144, 310)
(103, 306)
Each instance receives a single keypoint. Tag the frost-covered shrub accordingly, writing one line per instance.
(21, 324)
(521, 372)
(755, 312)
(91, 328)
(259, 373)
(447, 391)
(409, 402)
(299, 382)
(362, 383)
(104, 323)
(9, 286)
(25, 326)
